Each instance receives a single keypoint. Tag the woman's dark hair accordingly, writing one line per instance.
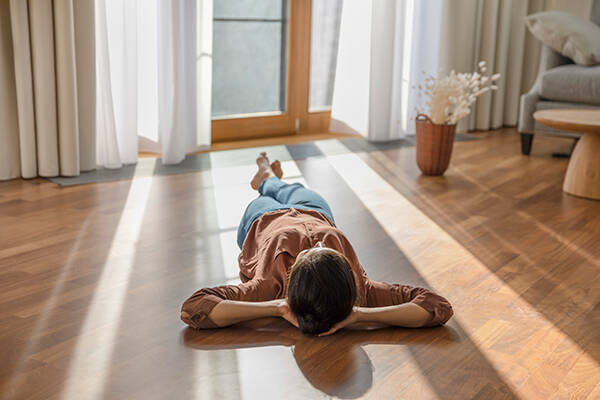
(321, 290)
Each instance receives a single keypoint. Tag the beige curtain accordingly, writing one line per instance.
(47, 88)
(494, 31)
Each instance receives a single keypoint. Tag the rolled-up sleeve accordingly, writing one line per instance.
(195, 310)
(381, 294)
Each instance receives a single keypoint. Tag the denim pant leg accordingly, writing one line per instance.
(295, 195)
(255, 209)
(278, 195)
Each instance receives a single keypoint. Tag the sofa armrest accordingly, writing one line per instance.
(549, 59)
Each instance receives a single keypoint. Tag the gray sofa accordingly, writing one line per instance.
(560, 84)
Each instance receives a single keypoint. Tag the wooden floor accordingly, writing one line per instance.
(92, 278)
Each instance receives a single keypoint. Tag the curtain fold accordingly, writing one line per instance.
(117, 82)
(153, 81)
(108, 154)
(384, 48)
(20, 149)
(325, 25)
(41, 28)
(85, 60)
(43, 107)
(351, 93)
(203, 65)
(494, 31)
(176, 79)
(491, 31)
(66, 89)
(10, 157)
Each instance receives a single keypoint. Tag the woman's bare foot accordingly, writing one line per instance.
(264, 171)
(276, 168)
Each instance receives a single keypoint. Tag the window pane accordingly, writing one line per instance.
(271, 9)
(249, 57)
(326, 17)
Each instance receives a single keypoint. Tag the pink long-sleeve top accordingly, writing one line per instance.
(269, 251)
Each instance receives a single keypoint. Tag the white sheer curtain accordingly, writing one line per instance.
(384, 47)
(151, 62)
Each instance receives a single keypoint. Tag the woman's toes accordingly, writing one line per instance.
(262, 160)
(276, 168)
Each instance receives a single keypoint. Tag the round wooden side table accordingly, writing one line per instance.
(583, 174)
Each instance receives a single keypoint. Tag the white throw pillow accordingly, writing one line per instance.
(569, 34)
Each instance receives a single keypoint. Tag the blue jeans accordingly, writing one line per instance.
(278, 195)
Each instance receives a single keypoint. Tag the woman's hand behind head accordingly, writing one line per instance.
(286, 313)
(352, 318)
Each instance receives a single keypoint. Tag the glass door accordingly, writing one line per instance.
(249, 58)
(250, 82)
(261, 67)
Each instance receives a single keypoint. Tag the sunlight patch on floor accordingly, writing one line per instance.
(229, 253)
(443, 262)
(256, 366)
(207, 384)
(48, 310)
(232, 190)
(91, 359)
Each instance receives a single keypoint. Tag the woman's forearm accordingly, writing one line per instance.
(230, 312)
(408, 315)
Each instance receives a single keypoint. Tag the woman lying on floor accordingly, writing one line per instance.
(297, 265)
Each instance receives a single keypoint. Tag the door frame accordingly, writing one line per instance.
(296, 119)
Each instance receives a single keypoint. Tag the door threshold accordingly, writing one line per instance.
(267, 141)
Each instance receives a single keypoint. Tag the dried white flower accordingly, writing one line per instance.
(449, 98)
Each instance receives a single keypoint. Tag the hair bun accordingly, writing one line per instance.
(311, 325)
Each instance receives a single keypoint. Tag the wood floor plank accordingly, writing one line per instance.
(92, 278)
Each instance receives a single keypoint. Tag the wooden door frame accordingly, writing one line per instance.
(296, 119)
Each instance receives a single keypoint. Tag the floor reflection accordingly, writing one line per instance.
(337, 365)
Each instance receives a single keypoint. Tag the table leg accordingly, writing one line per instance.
(583, 174)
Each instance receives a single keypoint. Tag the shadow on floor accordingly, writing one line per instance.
(546, 259)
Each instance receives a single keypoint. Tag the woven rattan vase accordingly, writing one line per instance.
(434, 145)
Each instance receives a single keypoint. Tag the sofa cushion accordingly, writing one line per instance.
(570, 35)
(572, 83)
(596, 12)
